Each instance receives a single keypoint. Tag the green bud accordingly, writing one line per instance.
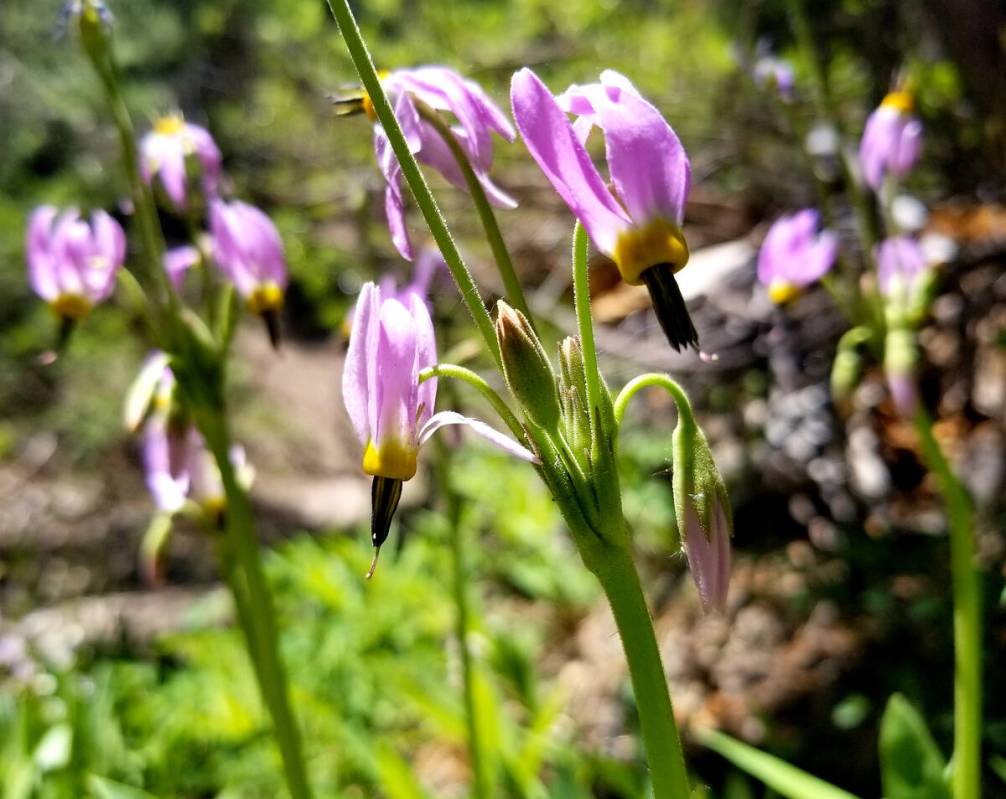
(573, 392)
(94, 23)
(526, 368)
(702, 509)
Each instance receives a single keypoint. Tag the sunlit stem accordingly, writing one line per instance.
(254, 603)
(618, 577)
(479, 384)
(413, 175)
(481, 784)
(585, 328)
(514, 291)
(966, 777)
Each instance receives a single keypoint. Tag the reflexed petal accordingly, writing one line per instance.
(208, 153)
(820, 257)
(908, 148)
(164, 457)
(140, 394)
(492, 435)
(550, 139)
(396, 379)
(38, 249)
(648, 165)
(394, 201)
(357, 387)
(426, 354)
(109, 252)
(171, 170)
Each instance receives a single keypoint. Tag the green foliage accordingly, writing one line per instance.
(911, 765)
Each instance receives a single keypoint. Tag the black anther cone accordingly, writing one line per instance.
(670, 307)
(385, 492)
(271, 319)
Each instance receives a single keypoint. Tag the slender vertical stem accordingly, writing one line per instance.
(413, 175)
(514, 291)
(966, 778)
(585, 326)
(481, 786)
(826, 110)
(258, 608)
(620, 581)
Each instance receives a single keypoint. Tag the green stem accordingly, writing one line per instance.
(514, 291)
(413, 175)
(581, 298)
(258, 610)
(143, 201)
(481, 787)
(479, 384)
(966, 778)
(661, 381)
(826, 110)
(620, 581)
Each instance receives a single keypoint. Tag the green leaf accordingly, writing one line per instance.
(775, 773)
(397, 780)
(998, 765)
(107, 789)
(911, 766)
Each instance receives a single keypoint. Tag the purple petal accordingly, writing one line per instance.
(208, 154)
(357, 386)
(491, 435)
(550, 139)
(708, 556)
(426, 354)
(165, 457)
(41, 270)
(397, 392)
(648, 165)
(178, 261)
(394, 201)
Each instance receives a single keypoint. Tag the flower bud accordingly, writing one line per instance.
(703, 513)
(526, 368)
(900, 357)
(845, 373)
(573, 395)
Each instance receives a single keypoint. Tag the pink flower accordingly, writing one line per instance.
(72, 264)
(638, 222)
(794, 254)
(163, 153)
(892, 140)
(248, 250)
(391, 342)
(442, 89)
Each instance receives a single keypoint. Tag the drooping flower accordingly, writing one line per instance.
(794, 254)
(151, 391)
(247, 248)
(391, 342)
(165, 150)
(892, 139)
(72, 264)
(440, 89)
(180, 470)
(638, 222)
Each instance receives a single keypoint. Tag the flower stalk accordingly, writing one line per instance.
(966, 586)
